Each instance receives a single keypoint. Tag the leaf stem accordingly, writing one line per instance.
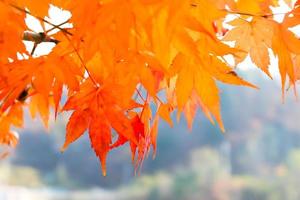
(257, 15)
(82, 62)
(139, 94)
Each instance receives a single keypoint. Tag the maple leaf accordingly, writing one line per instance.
(296, 61)
(39, 8)
(12, 117)
(77, 125)
(100, 135)
(254, 37)
(192, 78)
(10, 32)
(96, 110)
(285, 45)
(283, 53)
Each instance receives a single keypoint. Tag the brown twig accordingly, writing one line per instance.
(41, 19)
(65, 32)
(59, 25)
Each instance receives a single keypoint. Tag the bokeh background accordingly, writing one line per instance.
(258, 158)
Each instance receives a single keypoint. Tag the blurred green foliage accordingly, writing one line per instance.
(206, 177)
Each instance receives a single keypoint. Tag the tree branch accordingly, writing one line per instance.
(38, 37)
(41, 19)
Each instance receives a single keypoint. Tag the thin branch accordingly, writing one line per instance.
(33, 49)
(38, 37)
(257, 15)
(139, 94)
(41, 19)
(160, 101)
(146, 102)
(243, 13)
(249, 14)
(82, 62)
(59, 25)
(65, 32)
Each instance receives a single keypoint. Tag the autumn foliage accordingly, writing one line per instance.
(126, 64)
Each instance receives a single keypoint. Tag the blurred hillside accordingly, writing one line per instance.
(257, 158)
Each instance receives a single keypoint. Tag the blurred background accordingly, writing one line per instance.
(258, 158)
